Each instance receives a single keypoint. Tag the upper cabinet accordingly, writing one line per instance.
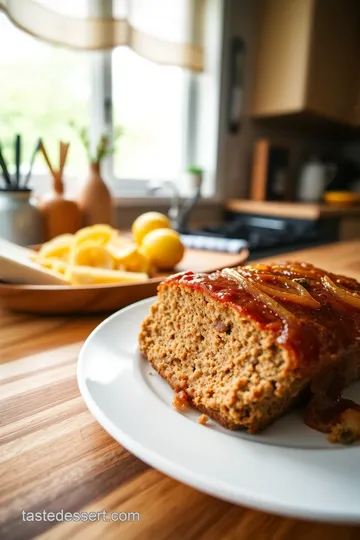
(307, 59)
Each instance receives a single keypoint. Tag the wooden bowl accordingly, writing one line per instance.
(70, 299)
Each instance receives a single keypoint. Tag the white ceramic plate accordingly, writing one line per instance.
(289, 469)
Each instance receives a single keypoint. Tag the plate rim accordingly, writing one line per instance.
(182, 473)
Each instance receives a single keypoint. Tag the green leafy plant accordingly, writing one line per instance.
(103, 147)
(193, 169)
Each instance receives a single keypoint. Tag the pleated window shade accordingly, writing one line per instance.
(163, 31)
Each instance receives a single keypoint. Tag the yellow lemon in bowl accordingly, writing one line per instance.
(97, 234)
(130, 258)
(59, 248)
(89, 275)
(148, 222)
(52, 263)
(91, 254)
(163, 247)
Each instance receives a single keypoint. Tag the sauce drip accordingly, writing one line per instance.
(326, 408)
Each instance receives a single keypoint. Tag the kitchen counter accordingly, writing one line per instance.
(55, 456)
(292, 209)
(341, 257)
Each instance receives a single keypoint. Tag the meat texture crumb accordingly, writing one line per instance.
(203, 419)
(180, 400)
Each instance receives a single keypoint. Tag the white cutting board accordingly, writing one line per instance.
(17, 267)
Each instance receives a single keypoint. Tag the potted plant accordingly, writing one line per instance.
(195, 177)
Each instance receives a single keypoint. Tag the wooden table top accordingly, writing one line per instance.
(54, 456)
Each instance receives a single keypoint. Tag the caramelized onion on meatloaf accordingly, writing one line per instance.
(245, 344)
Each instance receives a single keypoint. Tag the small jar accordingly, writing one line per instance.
(20, 220)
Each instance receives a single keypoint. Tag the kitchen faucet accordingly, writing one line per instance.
(180, 210)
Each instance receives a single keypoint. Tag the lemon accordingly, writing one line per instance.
(148, 222)
(58, 247)
(98, 234)
(52, 263)
(130, 258)
(139, 262)
(163, 247)
(119, 241)
(122, 253)
(87, 275)
(91, 254)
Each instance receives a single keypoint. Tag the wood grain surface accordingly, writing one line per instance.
(293, 209)
(54, 456)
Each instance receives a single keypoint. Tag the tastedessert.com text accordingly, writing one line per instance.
(62, 515)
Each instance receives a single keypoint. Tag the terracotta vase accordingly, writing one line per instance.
(60, 215)
(95, 199)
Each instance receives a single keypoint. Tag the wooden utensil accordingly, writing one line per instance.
(69, 299)
(60, 215)
(46, 157)
(64, 148)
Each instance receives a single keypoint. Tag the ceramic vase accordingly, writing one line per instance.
(95, 200)
(60, 215)
(20, 220)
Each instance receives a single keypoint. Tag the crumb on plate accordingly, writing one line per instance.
(180, 400)
(203, 419)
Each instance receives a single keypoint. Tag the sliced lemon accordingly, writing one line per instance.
(98, 234)
(87, 275)
(120, 241)
(130, 258)
(91, 254)
(58, 248)
(122, 253)
(52, 263)
(138, 262)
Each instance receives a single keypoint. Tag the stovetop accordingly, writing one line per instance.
(263, 236)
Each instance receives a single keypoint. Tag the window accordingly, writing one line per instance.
(149, 101)
(164, 127)
(42, 88)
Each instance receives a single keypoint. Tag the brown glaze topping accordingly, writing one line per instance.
(305, 306)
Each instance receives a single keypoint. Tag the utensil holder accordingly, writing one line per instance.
(20, 220)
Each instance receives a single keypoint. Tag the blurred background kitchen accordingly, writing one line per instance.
(241, 118)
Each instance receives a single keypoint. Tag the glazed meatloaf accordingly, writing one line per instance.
(244, 345)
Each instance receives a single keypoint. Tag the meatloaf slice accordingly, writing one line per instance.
(245, 344)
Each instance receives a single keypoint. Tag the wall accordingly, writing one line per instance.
(235, 159)
(205, 213)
